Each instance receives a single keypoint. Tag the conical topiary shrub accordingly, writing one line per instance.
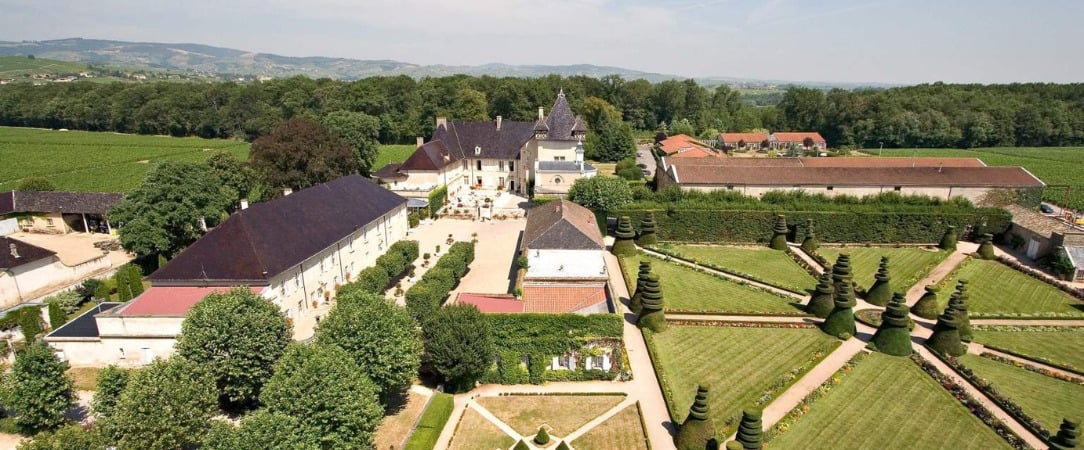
(734, 445)
(521, 445)
(958, 302)
(840, 322)
(698, 431)
(635, 304)
(779, 233)
(927, 307)
(652, 317)
(810, 244)
(1068, 435)
(841, 272)
(563, 446)
(948, 240)
(881, 292)
(892, 336)
(623, 238)
(822, 302)
(986, 247)
(647, 230)
(946, 335)
(543, 436)
(749, 431)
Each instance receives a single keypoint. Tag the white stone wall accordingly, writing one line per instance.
(41, 277)
(115, 325)
(124, 352)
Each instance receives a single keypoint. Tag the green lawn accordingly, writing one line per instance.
(392, 154)
(686, 289)
(563, 413)
(739, 364)
(475, 432)
(998, 290)
(622, 431)
(888, 403)
(97, 162)
(762, 264)
(907, 266)
(1044, 398)
(1061, 347)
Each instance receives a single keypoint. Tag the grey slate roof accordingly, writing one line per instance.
(27, 253)
(561, 121)
(562, 225)
(58, 202)
(255, 244)
(432, 155)
(563, 166)
(461, 137)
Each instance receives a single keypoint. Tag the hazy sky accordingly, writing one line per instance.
(892, 41)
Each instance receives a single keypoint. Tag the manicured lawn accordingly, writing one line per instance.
(762, 264)
(622, 431)
(998, 290)
(564, 413)
(395, 426)
(907, 266)
(888, 403)
(84, 378)
(1044, 398)
(392, 154)
(686, 289)
(475, 432)
(739, 364)
(431, 423)
(1062, 347)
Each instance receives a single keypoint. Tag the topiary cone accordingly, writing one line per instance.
(734, 445)
(892, 336)
(958, 302)
(926, 307)
(986, 247)
(779, 233)
(1068, 435)
(563, 446)
(946, 335)
(881, 292)
(810, 244)
(698, 431)
(543, 436)
(822, 302)
(623, 238)
(841, 319)
(647, 230)
(635, 304)
(652, 316)
(749, 431)
(841, 271)
(948, 240)
(521, 445)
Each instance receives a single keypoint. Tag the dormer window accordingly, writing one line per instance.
(477, 150)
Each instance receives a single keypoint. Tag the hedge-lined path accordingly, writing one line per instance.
(941, 271)
(979, 349)
(797, 250)
(730, 276)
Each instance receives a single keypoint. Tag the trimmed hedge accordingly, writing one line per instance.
(390, 265)
(431, 423)
(426, 296)
(437, 199)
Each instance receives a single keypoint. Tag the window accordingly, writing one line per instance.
(511, 166)
(897, 188)
(49, 221)
(558, 158)
(350, 246)
(500, 165)
(730, 187)
(557, 180)
(478, 165)
(831, 188)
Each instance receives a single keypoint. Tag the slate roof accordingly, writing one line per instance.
(563, 166)
(461, 137)
(1009, 177)
(255, 244)
(432, 155)
(27, 253)
(83, 326)
(561, 121)
(390, 172)
(561, 299)
(61, 202)
(562, 225)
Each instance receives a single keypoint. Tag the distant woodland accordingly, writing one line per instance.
(935, 115)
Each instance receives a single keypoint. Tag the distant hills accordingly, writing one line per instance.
(206, 59)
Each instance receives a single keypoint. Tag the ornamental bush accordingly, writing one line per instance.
(698, 431)
(841, 319)
(892, 336)
(647, 230)
(652, 316)
(948, 240)
(563, 446)
(623, 242)
(927, 306)
(521, 445)
(958, 302)
(986, 247)
(822, 302)
(810, 244)
(635, 303)
(40, 391)
(779, 233)
(1068, 435)
(881, 292)
(946, 335)
(373, 279)
(393, 263)
(841, 271)
(542, 437)
(749, 431)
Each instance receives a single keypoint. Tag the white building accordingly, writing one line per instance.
(566, 266)
(28, 271)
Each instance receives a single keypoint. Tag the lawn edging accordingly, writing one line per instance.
(676, 255)
(788, 420)
(660, 377)
(643, 424)
(1037, 359)
(426, 430)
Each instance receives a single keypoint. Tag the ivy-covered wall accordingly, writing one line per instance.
(527, 343)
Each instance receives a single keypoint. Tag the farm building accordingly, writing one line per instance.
(935, 177)
(29, 271)
(742, 141)
(59, 212)
(801, 139)
(682, 146)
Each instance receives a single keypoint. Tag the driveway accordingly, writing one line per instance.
(644, 157)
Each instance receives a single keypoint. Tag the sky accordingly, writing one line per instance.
(882, 41)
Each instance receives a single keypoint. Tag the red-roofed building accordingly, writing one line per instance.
(565, 298)
(803, 139)
(680, 145)
(492, 303)
(169, 301)
(742, 141)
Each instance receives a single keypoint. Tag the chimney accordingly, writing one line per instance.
(203, 224)
(420, 141)
(287, 191)
(14, 251)
(498, 123)
(244, 203)
(541, 113)
(442, 122)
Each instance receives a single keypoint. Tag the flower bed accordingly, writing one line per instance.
(1039, 359)
(872, 317)
(1036, 369)
(791, 417)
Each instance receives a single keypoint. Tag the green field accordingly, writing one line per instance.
(1053, 165)
(762, 264)
(997, 290)
(392, 154)
(97, 162)
(685, 289)
(907, 266)
(888, 403)
(1044, 398)
(21, 66)
(739, 364)
(1060, 347)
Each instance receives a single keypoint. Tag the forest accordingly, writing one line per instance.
(933, 115)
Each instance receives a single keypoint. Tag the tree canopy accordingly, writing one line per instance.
(166, 405)
(299, 153)
(458, 345)
(41, 392)
(610, 141)
(361, 132)
(600, 193)
(263, 430)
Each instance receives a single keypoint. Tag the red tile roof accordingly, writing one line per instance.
(171, 301)
(694, 152)
(562, 299)
(679, 143)
(749, 138)
(490, 303)
(863, 161)
(797, 136)
(858, 176)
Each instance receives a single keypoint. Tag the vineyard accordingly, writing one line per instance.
(1053, 165)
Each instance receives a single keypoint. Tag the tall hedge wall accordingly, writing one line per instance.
(551, 334)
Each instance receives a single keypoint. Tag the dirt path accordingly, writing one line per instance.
(799, 297)
(797, 249)
(941, 271)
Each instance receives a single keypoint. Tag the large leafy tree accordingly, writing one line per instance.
(111, 383)
(610, 141)
(470, 104)
(162, 215)
(232, 173)
(167, 405)
(359, 130)
(41, 392)
(600, 193)
(458, 345)
(236, 337)
(597, 111)
(322, 387)
(381, 337)
(300, 153)
(263, 430)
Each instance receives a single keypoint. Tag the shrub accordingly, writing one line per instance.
(779, 233)
(521, 445)
(946, 335)
(562, 446)
(89, 287)
(841, 271)
(749, 431)
(393, 263)
(893, 336)
(521, 262)
(881, 292)
(458, 346)
(436, 200)
(56, 316)
(927, 306)
(810, 244)
(373, 279)
(68, 301)
(635, 303)
(841, 319)
(822, 302)
(623, 242)
(543, 437)
(698, 431)
(1068, 435)
(41, 392)
(652, 316)
(647, 230)
(422, 300)
(986, 247)
(958, 302)
(948, 240)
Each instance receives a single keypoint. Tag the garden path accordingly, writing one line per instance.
(797, 249)
(978, 349)
(941, 271)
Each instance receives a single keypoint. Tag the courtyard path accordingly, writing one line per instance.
(797, 249)
(941, 271)
(799, 297)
